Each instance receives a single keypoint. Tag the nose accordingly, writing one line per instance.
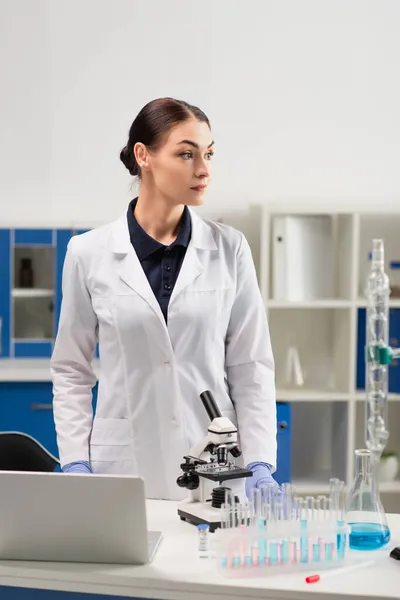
(203, 169)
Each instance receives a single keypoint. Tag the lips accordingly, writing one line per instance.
(199, 188)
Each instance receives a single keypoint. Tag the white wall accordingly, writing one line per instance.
(303, 96)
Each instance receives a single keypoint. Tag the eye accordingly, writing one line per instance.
(186, 155)
(209, 155)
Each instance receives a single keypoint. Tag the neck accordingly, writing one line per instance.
(157, 217)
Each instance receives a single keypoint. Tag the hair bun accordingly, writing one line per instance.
(128, 158)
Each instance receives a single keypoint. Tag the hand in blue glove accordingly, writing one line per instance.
(261, 476)
(81, 466)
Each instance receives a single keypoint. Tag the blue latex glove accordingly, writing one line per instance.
(261, 476)
(81, 466)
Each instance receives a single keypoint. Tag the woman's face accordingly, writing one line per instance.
(181, 166)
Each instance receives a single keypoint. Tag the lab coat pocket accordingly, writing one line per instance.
(110, 440)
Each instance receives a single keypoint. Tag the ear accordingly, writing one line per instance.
(141, 155)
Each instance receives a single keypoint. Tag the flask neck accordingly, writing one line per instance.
(366, 469)
(378, 254)
(364, 464)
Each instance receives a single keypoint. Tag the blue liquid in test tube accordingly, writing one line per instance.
(285, 552)
(340, 543)
(316, 551)
(303, 542)
(329, 550)
(273, 553)
(303, 531)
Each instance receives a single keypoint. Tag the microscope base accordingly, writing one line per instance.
(200, 512)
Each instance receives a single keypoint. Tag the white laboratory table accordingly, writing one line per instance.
(177, 573)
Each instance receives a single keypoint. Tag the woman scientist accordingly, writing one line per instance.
(174, 303)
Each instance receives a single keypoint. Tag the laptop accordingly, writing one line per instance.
(74, 518)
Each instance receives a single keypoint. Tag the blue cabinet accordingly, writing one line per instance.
(394, 341)
(27, 407)
(283, 472)
(30, 305)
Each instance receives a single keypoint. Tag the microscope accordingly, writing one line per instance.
(208, 466)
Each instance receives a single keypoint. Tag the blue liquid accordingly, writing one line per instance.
(329, 550)
(285, 552)
(303, 543)
(316, 552)
(273, 553)
(368, 536)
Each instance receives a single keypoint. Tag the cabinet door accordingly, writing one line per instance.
(27, 407)
(283, 472)
(33, 260)
(5, 292)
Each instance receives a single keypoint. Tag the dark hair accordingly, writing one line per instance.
(153, 121)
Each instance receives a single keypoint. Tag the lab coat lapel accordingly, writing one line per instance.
(129, 268)
(193, 264)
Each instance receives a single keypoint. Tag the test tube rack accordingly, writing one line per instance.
(276, 531)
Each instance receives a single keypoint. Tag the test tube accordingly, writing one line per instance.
(311, 507)
(224, 516)
(294, 518)
(327, 543)
(341, 537)
(287, 499)
(327, 508)
(239, 515)
(318, 508)
(264, 498)
(342, 501)
(303, 533)
(334, 492)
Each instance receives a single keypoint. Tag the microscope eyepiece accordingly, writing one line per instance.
(210, 405)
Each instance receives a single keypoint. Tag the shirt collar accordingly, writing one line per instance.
(144, 244)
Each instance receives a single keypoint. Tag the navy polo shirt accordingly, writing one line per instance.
(160, 263)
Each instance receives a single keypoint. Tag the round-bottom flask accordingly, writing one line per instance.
(365, 515)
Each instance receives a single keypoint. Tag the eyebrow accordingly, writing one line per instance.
(194, 143)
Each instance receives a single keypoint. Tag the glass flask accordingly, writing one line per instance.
(365, 515)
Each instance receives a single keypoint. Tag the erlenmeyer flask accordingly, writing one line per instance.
(365, 514)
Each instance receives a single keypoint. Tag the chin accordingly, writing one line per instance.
(192, 202)
(195, 199)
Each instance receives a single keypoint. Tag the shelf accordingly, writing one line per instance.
(32, 293)
(360, 396)
(393, 303)
(310, 395)
(310, 304)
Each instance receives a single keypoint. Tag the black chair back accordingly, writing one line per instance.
(21, 452)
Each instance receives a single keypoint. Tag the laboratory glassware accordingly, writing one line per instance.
(365, 514)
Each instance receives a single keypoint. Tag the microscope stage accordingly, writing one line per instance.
(218, 473)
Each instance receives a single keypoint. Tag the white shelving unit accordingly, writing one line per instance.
(32, 293)
(328, 410)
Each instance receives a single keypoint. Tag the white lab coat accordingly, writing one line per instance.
(149, 413)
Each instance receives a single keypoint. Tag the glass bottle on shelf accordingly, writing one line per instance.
(26, 273)
(365, 514)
